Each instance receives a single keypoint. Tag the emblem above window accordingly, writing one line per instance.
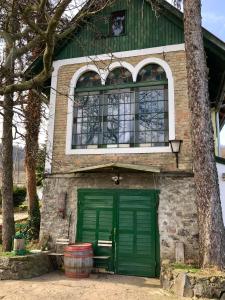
(118, 23)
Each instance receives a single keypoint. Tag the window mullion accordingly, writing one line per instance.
(104, 117)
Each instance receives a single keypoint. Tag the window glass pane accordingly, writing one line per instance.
(119, 76)
(87, 127)
(152, 117)
(121, 118)
(118, 125)
(88, 80)
(118, 21)
(151, 72)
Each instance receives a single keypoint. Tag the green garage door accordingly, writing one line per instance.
(127, 218)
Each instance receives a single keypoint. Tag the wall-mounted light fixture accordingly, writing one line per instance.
(175, 147)
(117, 179)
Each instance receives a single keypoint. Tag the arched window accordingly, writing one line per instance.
(121, 113)
(151, 72)
(88, 80)
(152, 103)
(87, 111)
(119, 76)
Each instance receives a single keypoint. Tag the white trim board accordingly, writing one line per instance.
(119, 55)
(113, 56)
(137, 150)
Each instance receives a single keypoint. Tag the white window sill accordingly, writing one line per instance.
(118, 150)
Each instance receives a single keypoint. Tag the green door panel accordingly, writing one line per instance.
(95, 222)
(128, 218)
(136, 234)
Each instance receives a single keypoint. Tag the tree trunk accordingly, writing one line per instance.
(211, 229)
(8, 229)
(33, 119)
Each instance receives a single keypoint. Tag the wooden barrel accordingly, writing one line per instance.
(78, 260)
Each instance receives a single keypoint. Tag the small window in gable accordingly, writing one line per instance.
(118, 23)
(119, 76)
(152, 72)
(88, 80)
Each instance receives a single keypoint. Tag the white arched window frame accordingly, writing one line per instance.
(103, 75)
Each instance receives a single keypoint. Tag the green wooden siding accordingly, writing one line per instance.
(143, 30)
(128, 218)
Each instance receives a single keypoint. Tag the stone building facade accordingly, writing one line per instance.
(177, 214)
(80, 188)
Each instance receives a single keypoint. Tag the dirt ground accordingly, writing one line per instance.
(98, 287)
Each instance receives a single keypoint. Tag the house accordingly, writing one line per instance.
(118, 97)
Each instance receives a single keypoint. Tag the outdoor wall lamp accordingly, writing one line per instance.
(175, 147)
(117, 179)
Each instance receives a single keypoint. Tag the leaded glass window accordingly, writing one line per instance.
(118, 23)
(118, 125)
(151, 72)
(134, 116)
(152, 116)
(88, 80)
(119, 76)
(87, 120)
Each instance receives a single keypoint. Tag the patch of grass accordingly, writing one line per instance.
(13, 253)
(8, 254)
(187, 268)
(196, 271)
(27, 251)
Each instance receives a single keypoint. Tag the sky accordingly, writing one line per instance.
(213, 16)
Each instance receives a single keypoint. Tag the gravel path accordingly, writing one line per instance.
(98, 287)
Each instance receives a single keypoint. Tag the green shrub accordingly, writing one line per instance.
(23, 207)
(19, 195)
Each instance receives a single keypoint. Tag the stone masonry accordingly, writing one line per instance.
(24, 267)
(177, 219)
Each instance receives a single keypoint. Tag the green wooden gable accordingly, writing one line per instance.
(143, 30)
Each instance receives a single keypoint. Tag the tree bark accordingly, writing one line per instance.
(33, 119)
(211, 228)
(8, 228)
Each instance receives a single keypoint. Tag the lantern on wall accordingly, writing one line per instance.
(175, 147)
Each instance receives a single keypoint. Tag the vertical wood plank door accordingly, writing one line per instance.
(96, 221)
(128, 218)
(136, 233)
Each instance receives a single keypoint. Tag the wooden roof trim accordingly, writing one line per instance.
(134, 167)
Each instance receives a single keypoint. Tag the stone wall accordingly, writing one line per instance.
(166, 161)
(177, 217)
(193, 284)
(24, 267)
